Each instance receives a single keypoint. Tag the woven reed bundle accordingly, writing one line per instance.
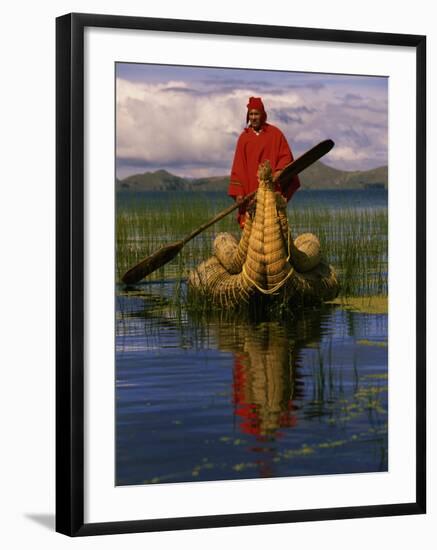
(213, 281)
(254, 267)
(225, 248)
(305, 252)
(266, 265)
(283, 220)
(231, 253)
(219, 278)
(320, 283)
(275, 246)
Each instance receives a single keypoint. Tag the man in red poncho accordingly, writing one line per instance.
(258, 142)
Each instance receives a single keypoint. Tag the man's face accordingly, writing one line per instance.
(255, 119)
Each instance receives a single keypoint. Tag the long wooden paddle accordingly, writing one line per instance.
(166, 253)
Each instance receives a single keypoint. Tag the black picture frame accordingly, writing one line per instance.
(70, 273)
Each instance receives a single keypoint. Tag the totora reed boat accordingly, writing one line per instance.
(266, 262)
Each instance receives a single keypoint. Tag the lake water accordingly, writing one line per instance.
(213, 398)
(359, 198)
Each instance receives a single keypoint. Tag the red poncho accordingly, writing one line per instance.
(252, 149)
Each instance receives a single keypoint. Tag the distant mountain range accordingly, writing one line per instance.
(317, 176)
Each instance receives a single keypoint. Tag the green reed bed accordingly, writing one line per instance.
(143, 228)
(354, 241)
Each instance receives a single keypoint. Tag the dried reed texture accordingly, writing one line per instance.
(212, 281)
(231, 253)
(305, 252)
(320, 284)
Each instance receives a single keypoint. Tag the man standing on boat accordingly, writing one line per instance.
(258, 142)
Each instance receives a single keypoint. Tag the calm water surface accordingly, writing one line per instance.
(242, 399)
(359, 198)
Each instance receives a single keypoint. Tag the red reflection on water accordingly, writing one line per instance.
(262, 396)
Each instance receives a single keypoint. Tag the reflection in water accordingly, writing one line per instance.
(265, 376)
(265, 383)
(292, 394)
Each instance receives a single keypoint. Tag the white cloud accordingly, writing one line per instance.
(181, 124)
(161, 126)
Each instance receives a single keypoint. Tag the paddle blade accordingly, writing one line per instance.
(305, 160)
(152, 263)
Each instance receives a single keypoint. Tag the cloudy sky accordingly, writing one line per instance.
(187, 119)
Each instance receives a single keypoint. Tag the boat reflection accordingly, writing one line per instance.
(267, 383)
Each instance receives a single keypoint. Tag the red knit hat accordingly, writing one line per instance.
(256, 103)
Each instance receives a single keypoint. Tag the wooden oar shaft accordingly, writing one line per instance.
(218, 217)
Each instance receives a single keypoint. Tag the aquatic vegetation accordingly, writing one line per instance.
(363, 304)
(353, 240)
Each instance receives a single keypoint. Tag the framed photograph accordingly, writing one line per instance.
(240, 274)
